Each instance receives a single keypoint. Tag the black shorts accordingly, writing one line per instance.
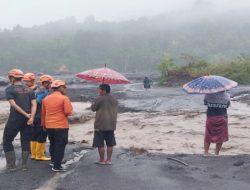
(101, 136)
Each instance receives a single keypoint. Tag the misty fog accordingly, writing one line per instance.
(207, 30)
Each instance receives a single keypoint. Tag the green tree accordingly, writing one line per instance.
(166, 65)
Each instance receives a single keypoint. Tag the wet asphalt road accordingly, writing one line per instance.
(156, 172)
(131, 170)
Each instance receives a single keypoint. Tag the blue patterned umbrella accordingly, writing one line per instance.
(209, 84)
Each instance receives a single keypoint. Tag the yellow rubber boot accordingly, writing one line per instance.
(40, 150)
(33, 149)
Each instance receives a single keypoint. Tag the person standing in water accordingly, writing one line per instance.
(147, 83)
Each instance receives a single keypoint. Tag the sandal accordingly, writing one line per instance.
(108, 163)
(100, 163)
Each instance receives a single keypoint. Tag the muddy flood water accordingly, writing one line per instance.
(160, 119)
(154, 126)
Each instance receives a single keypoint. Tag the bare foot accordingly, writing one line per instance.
(100, 162)
(207, 154)
(108, 162)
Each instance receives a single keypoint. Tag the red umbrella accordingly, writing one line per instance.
(103, 75)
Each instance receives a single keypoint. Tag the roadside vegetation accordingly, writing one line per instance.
(173, 75)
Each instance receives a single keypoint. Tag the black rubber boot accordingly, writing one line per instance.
(25, 156)
(10, 160)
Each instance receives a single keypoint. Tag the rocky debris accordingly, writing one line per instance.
(75, 118)
(244, 98)
(88, 94)
(137, 151)
(139, 76)
(81, 118)
(239, 163)
(3, 81)
(178, 78)
(3, 118)
(239, 91)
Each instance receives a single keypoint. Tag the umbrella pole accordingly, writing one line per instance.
(105, 71)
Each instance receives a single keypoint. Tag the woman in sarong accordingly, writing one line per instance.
(217, 120)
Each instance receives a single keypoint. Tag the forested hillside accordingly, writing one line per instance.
(134, 45)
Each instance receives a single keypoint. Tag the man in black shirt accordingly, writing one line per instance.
(22, 111)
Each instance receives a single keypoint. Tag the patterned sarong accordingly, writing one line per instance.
(216, 129)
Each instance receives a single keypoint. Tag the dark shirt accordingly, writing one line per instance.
(22, 95)
(216, 109)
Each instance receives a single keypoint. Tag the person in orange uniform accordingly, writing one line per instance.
(29, 80)
(37, 144)
(39, 135)
(22, 112)
(55, 111)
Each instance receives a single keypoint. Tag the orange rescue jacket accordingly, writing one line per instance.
(55, 111)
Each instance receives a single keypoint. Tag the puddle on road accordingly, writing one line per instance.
(52, 183)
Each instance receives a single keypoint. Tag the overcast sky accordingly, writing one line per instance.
(36, 12)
